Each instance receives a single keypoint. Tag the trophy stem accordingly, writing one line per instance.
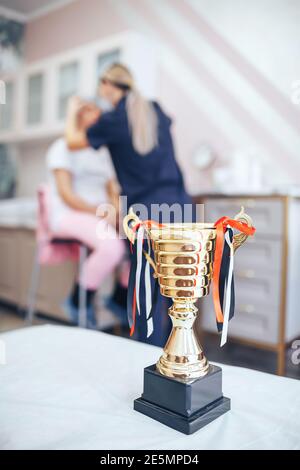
(183, 357)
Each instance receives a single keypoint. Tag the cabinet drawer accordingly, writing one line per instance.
(267, 214)
(252, 321)
(263, 286)
(261, 254)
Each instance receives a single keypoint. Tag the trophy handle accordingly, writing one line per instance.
(129, 221)
(240, 238)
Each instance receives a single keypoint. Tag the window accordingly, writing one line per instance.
(6, 110)
(35, 99)
(106, 59)
(7, 172)
(68, 85)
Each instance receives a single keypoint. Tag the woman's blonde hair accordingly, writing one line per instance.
(142, 117)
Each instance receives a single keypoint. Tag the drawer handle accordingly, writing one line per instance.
(247, 308)
(247, 274)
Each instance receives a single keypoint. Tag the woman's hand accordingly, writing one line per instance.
(75, 136)
(113, 192)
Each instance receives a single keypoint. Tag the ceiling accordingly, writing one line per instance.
(27, 9)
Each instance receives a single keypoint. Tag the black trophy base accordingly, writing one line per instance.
(184, 406)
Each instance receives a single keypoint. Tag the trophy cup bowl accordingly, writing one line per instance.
(183, 260)
(183, 265)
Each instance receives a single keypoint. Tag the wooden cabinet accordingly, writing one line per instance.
(267, 273)
(17, 250)
(9, 266)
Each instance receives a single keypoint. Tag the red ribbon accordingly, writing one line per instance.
(147, 224)
(133, 313)
(221, 226)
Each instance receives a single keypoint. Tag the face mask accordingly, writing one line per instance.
(104, 104)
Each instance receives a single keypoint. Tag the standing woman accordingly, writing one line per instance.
(137, 134)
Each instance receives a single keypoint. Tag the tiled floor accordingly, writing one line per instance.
(231, 353)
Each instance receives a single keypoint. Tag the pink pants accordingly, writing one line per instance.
(101, 238)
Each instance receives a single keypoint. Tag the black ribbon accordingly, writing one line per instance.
(224, 271)
(131, 289)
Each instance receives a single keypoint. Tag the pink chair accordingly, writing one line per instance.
(51, 250)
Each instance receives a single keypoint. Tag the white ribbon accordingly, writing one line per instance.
(228, 291)
(139, 262)
(149, 327)
(148, 291)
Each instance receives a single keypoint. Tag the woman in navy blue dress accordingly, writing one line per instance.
(137, 134)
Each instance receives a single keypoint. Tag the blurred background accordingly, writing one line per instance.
(229, 75)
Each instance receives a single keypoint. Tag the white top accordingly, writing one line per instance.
(90, 170)
(70, 388)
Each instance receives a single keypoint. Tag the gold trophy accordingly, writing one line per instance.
(183, 390)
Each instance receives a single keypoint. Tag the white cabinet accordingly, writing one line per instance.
(267, 273)
(37, 95)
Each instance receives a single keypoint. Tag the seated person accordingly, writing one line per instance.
(79, 182)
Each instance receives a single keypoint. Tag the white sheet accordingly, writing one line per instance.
(68, 388)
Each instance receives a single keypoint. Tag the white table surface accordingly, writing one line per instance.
(68, 388)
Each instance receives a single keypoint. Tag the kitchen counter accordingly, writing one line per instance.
(18, 213)
(21, 212)
(18, 218)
